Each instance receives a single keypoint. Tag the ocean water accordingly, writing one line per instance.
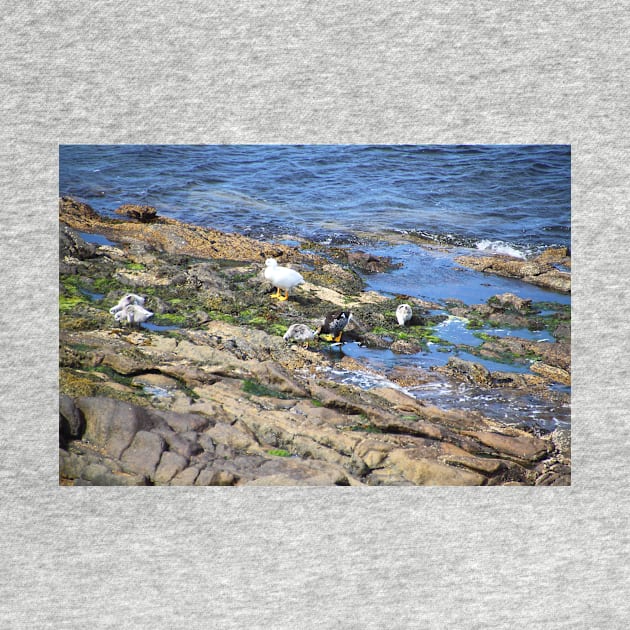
(499, 196)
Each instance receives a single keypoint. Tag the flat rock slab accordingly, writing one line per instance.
(415, 465)
(144, 453)
(525, 447)
(111, 424)
(170, 465)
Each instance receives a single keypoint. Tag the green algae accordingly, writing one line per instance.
(69, 302)
(169, 319)
(279, 452)
(420, 334)
(258, 389)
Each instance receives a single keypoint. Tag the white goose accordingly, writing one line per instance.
(126, 300)
(133, 314)
(281, 278)
(403, 314)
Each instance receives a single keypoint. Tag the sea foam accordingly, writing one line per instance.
(500, 247)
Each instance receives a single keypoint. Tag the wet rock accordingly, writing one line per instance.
(371, 263)
(78, 214)
(562, 331)
(371, 340)
(73, 246)
(470, 372)
(509, 300)
(561, 439)
(556, 475)
(409, 376)
(402, 346)
(557, 255)
(71, 465)
(333, 276)
(172, 236)
(551, 372)
(154, 380)
(144, 214)
(538, 271)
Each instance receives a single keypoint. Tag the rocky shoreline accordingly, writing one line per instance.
(211, 394)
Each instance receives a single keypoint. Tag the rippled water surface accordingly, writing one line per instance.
(519, 195)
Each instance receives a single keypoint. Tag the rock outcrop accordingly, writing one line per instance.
(212, 395)
(544, 270)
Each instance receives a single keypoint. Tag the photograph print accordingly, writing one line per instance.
(315, 315)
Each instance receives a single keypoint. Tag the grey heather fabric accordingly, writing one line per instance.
(303, 72)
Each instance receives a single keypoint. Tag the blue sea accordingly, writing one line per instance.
(513, 199)
(468, 194)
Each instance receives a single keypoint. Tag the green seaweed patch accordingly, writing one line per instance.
(420, 334)
(169, 319)
(552, 306)
(503, 355)
(258, 389)
(132, 266)
(105, 284)
(279, 452)
(222, 317)
(277, 329)
(484, 336)
(77, 384)
(113, 375)
(240, 278)
(475, 322)
(507, 307)
(69, 302)
(256, 321)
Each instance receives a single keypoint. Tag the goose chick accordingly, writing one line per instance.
(133, 314)
(299, 332)
(281, 278)
(403, 314)
(333, 325)
(126, 300)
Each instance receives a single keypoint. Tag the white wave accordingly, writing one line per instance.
(500, 247)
